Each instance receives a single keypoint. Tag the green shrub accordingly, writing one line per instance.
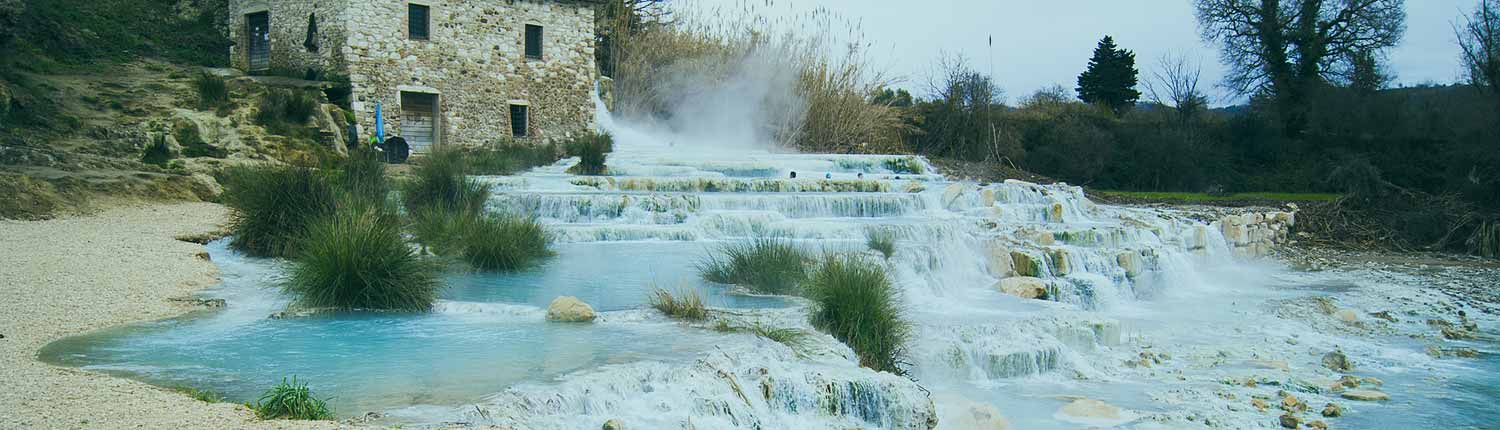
(355, 258)
(502, 242)
(440, 181)
(767, 266)
(284, 111)
(510, 157)
(686, 304)
(271, 206)
(439, 230)
(909, 165)
(591, 150)
(856, 304)
(157, 152)
(293, 401)
(213, 91)
(881, 241)
(362, 175)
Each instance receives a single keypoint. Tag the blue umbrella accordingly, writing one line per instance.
(379, 124)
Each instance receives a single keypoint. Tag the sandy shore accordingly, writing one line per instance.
(69, 276)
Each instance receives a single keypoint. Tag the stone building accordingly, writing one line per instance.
(443, 71)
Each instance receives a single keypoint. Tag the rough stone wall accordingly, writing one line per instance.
(289, 26)
(474, 60)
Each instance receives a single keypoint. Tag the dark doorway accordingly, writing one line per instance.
(258, 28)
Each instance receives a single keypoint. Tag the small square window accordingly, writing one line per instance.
(533, 42)
(418, 21)
(519, 120)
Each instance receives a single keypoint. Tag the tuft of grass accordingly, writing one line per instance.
(213, 91)
(440, 181)
(766, 266)
(685, 304)
(906, 165)
(205, 396)
(591, 149)
(881, 241)
(362, 175)
(501, 242)
(857, 305)
(509, 158)
(284, 111)
(291, 400)
(157, 152)
(273, 205)
(355, 258)
(785, 336)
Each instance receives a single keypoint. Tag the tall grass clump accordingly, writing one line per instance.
(291, 400)
(856, 304)
(440, 181)
(508, 158)
(766, 266)
(908, 165)
(501, 242)
(881, 241)
(361, 174)
(686, 304)
(271, 206)
(591, 150)
(355, 258)
(283, 111)
(157, 152)
(213, 91)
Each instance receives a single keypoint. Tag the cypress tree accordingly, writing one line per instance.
(1111, 78)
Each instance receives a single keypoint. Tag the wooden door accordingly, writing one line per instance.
(258, 27)
(419, 121)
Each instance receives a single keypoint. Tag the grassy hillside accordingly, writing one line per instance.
(103, 32)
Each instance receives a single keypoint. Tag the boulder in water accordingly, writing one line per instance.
(1348, 316)
(1090, 410)
(614, 424)
(1337, 361)
(1000, 263)
(1290, 421)
(964, 414)
(1333, 410)
(1131, 262)
(1024, 265)
(1059, 257)
(1025, 287)
(1366, 395)
(569, 309)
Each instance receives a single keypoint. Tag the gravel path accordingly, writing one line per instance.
(69, 276)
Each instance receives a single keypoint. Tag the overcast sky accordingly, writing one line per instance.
(1038, 43)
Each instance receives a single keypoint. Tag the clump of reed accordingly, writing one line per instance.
(502, 242)
(157, 152)
(591, 149)
(213, 91)
(440, 181)
(272, 205)
(291, 400)
(283, 111)
(686, 304)
(766, 266)
(908, 165)
(355, 258)
(362, 175)
(856, 304)
(881, 241)
(510, 157)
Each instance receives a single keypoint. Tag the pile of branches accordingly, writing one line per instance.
(1376, 214)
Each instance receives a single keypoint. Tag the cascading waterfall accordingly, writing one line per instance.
(485, 356)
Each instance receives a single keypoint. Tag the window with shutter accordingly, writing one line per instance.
(418, 21)
(534, 42)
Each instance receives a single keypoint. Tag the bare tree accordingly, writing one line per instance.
(1479, 38)
(1174, 84)
(1286, 48)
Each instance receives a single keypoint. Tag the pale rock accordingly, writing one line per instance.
(1000, 263)
(914, 187)
(951, 195)
(1365, 395)
(1092, 412)
(1060, 266)
(1317, 425)
(1025, 287)
(1024, 265)
(614, 424)
(1348, 316)
(1131, 262)
(569, 309)
(1337, 361)
(1055, 214)
(965, 414)
(1290, 421)
(1333, 410)
(987, 197)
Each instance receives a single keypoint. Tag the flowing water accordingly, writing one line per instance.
(1120, 281)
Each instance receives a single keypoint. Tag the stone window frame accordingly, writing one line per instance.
(406, 19)
(510, 106)
(541, 44)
